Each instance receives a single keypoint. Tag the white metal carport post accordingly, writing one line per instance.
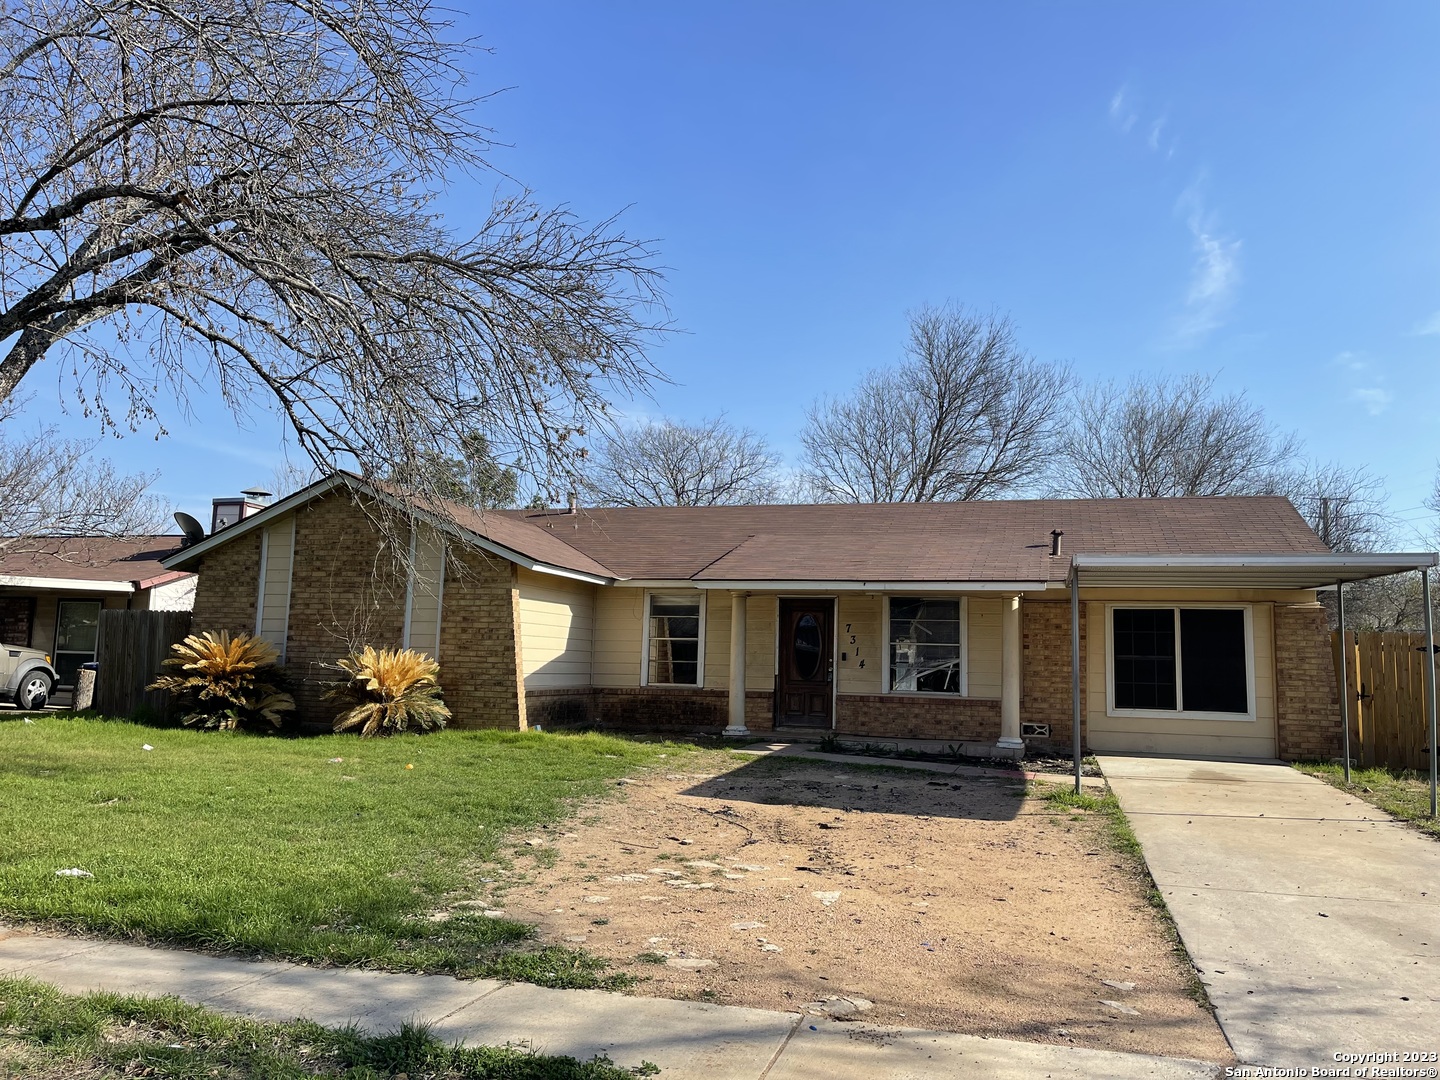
(1344, 677)
(1429, 678)
(1075, 669)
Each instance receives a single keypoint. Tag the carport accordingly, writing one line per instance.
(1217, 572)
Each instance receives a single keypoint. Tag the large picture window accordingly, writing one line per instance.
(674, 635)
(1179, 659)
(926, 645)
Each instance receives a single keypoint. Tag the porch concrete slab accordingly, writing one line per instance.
(824, 1049)
(684, 1038)
(1314, 919)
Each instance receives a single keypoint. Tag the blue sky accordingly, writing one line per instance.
(1247, 189)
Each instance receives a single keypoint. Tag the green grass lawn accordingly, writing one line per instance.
(47, 1035)
(1402, 793)
(247, 844)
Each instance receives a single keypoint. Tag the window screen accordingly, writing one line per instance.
(1145, 658)
(674, 641)
(925, 645)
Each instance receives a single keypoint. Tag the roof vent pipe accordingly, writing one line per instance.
(1055, 538)
(574, 503)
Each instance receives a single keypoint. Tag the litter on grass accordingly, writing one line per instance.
(147, 746)
(73, 871)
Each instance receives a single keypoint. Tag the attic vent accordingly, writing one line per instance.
(1035, 731)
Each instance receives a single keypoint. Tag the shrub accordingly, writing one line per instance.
(389, 691)
(227, 682)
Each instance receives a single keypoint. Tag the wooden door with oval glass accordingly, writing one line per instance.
(807, 663)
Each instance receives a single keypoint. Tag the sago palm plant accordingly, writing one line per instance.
(226, 681)
(389, 691)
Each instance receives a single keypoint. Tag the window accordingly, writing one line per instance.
(674, 635)
(1183, 660)
(926, 645)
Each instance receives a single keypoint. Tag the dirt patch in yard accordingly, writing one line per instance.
(904, 898)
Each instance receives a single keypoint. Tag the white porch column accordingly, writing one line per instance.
(736, 726)
(1010, 743)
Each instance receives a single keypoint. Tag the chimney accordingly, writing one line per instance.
(574, 503)
(1055, 537)
(226, 512)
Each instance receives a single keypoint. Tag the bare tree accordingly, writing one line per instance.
(53, 490)
(967, 414)
(1169, 437)
(669, 463)
(1345, 506)
(239, 194)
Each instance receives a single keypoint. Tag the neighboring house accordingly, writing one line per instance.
(1198, 622)
(51, 598)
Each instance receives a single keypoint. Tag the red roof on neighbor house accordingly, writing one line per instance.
(94, 558)
(998, 540)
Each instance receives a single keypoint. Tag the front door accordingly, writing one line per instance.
(77, 626)
(807, 667)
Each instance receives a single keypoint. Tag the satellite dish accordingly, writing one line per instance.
(193, 530)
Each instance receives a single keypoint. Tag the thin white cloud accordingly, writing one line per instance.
(1156, 128)
(1214, 281)
(1373, 399)
(1428, 326)
(1122, 113)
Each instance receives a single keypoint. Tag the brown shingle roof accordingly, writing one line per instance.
(1002, 540)
(93, 558)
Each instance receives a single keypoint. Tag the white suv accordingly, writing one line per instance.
(26, 676)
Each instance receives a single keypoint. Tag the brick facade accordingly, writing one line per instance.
(480, 664)
(662, 708)
(1307, 703)
(346, 592)
(1045, 670)
(903, 716)
(228, 586)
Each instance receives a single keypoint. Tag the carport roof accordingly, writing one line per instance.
(1301, 571)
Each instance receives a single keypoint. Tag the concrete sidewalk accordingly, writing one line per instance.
(1313, 917)
(686, 1039)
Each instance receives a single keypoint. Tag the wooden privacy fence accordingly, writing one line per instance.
(1388, 722)
(131, 648)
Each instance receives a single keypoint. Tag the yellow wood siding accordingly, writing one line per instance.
(860, 616)
(717, 639)
(425, 593)
(983, 645)
(277, 557)
(761, 615)
(619, 619)
(557, 631)
(1164, 733)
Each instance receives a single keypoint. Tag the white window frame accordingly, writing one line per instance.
(1180, 713)
(411, 581)
(283, 647)
(964, 690)
(672, 594)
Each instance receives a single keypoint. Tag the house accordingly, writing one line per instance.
(1196, 619)
(51, 594)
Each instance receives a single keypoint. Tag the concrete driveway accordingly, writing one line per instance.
(1313, 918)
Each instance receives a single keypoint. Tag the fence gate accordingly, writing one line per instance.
(131, 648)
(1386, 710)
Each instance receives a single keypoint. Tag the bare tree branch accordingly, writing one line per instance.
(668, 463)
(241, 192)
(1169, 437)
(966, 415)
(53, 490)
